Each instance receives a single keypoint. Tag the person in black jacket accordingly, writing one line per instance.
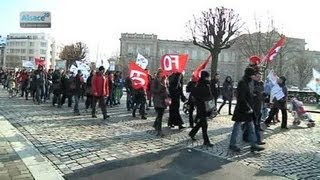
(139, 97)
(56, 87)
(243, 112)
(76, 91)
(65, 88)
(129, 89)
(202, 93)
(227, 93)
(88, 91)
(176, 93)
(215, 87)
(190, 86)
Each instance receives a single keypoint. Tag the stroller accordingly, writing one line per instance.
(299, 113)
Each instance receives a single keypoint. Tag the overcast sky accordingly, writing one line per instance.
(100, 23)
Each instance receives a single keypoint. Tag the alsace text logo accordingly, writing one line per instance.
(34, 18)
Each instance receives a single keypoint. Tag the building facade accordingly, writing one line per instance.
(28, 46)
(3, 43)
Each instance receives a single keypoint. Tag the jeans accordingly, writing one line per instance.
(237, 128)
(158, 122)
(56, 99)
(141, 105)
(88, 102)
(76, 103)
(39, 93)
(275, 111)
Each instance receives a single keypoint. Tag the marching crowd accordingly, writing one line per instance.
(106, 89)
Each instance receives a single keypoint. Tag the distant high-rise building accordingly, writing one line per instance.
(28, 46)
(3, 43)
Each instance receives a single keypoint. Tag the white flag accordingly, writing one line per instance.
(28, 64)
(142, 61)
(314, 84)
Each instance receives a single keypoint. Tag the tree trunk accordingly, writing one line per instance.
(214, 62)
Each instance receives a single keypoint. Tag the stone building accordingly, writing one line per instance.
(232, 61)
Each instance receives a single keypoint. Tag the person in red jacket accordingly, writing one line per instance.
(100, 90)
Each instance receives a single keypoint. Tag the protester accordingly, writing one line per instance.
(176, 93)
(24, 81)
(129, 90)
(39, 80)
(280, 104)
(65, 87)
(244, 111)
(215, 87)
(227, 93)
(191, 101)
(139, 99)
(76, 92)
(100, 90)
(201, 94)
(56, 87)
(160, 94)
(88, 91)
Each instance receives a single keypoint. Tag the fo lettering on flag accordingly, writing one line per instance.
(171, 63)
(273, 52)
(138, 76)
(197, 73)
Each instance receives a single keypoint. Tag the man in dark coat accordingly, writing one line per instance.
(128, 85)
(243, 112)
(77, 91)
(39, 80)
(56, 88)
(190, 86)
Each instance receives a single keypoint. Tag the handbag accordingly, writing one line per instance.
(167, 101)
(210, 105)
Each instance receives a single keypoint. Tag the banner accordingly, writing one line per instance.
(40, 62)
(84, 68)
(197, 73)
(28, 64)
(142, 61)
(273, 52)
(138, 76)
(314, 84)
(171, 63)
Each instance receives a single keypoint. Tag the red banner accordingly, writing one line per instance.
(138, 76)
(40, 62)
(275, 49)
(197, 73)
(171, 63)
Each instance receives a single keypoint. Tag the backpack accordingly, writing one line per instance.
(73, 84)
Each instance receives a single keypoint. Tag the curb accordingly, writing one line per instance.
(38, 166)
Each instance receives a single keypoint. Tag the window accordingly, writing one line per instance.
(23, 51)
(31, 51)
(23, 57)
(17, 51)
(43, 44)
(31, 58)
(23, 43)
(42, 51)
(31, 44)
(11, 50)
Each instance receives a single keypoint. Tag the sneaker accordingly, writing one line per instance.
(192, 137)
(256, 148)
(234, 148)
(261, 143)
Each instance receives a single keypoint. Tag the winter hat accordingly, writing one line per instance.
(249, 71)
(101, 68)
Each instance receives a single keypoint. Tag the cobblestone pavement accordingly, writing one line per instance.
(73, 143)
(11, 166)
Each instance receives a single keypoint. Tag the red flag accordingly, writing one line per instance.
(171, 63)
(40, 62)
(197, 73)
(275, 49)
(138, 76)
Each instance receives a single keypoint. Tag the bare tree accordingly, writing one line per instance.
(302, 66)
(74, 52)
(213, 31)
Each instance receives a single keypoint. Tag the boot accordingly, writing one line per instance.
(134, 113)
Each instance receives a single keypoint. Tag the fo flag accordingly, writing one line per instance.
(197, 73)
(138, 76)
(40, 62)
(171, 63)
(275, 49)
